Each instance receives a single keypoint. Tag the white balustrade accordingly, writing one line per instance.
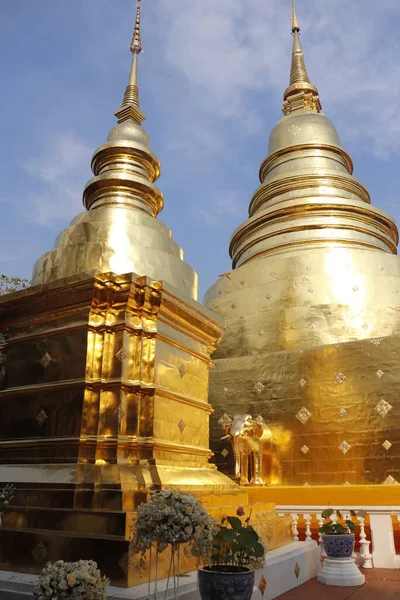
(383, 553)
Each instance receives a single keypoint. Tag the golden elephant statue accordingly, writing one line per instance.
(249, 437)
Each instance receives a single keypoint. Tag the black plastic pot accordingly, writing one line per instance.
(218, 583)
(339, 546)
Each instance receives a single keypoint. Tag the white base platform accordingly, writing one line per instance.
(341, 571)
(279, 573)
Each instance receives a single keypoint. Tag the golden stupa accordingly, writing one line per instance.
(104, 396)
(312, 314)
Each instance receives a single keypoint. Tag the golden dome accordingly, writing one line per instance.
(119, 233)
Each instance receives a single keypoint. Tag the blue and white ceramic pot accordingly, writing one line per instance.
(339, 546)
(217, 583)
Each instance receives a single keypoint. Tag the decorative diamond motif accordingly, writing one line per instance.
(380, 268)
(311, 290)
(355, 288)
(39, 552)
(306, 484)
(233, 305)
(242, 282)
(377, 342)
(219, 292)
(365, 326)
(305, 449)
(261, 332)
(119, 413)
(46, 360)
(181, 425)
(383, 407)
(297, 570)
(340, 378)
(225, 452)
(395, 291)
(225, 420)
(344, 447)
(294, 129)
(41, 417)
(121, 355)
(387, 445)
(313, 326)
(262, 586)
(273, 275)
(225, 391)
(268, 296)
(390, 481)
(302, 382)
(309, 268)
(342, 412)
(337, 346)
(303, 415)
(185, 282)
(182, 370)
(347, 483)
(259, 387)
(380, 373)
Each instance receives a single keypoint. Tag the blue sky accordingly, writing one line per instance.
(212, 78)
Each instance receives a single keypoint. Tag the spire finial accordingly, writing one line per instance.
(136, 43)
(130, 108)
(295, 23)
(301, 93)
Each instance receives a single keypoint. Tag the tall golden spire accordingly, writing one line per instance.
(300, 94)
(130, 108)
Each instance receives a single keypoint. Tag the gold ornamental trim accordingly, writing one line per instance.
(318, 148)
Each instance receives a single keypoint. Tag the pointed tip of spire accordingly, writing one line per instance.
(136, 43)
(130, 108)
(295, 22)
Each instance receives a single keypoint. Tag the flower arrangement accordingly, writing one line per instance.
(6, 495)
(236, 546)
(171, 518)
(340, 526)
(71, 580)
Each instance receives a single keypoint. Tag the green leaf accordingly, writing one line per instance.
(248, 539)
(235, 523)
(228, 535)
(259, 550)
(327, 513)
(350, 525)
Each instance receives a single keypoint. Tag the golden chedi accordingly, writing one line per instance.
(311, 309)
(104, 396)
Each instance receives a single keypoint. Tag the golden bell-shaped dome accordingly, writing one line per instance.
(119, 231)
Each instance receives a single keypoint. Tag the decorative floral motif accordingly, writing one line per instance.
(383, 408)
(294, 129)
(46, 360)
(41, 417)
(121, 355)
(340, 378)
(344, 447)
(303, 415)
(224, 421)
(258, 387)
(75, 580)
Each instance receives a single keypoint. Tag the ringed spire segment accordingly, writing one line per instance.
(295, 23)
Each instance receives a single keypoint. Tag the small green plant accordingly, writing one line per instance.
(236, 545)
(337, 527)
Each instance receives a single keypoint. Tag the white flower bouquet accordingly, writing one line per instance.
(173, 517)
(71, 580)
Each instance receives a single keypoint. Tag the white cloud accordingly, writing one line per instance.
(223, 205)
(59, 173)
